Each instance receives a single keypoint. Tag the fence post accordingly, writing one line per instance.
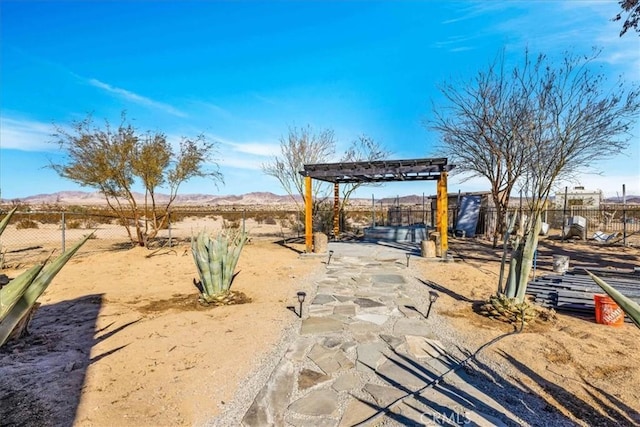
(564, 214)
(169, 225)
(63, 232)
(624, 216)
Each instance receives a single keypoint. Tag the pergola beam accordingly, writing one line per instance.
(430, 169)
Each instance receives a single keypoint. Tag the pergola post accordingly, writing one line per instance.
(336, 210)
(308, 217)
(442, 209)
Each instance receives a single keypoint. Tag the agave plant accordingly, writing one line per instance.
(216, 260)
(630, 307)
(19, 296)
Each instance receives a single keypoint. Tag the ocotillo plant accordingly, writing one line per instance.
(216, 260)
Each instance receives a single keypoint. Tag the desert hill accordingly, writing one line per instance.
(87, 198)
(261, 198)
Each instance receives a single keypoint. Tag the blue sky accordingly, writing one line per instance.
(244, 72)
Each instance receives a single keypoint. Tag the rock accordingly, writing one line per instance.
(347, 382)
(268, 408)
(308, 378)
(320, 325)
(424, 347)
(316, 403)
(320, 243)
(358, 411)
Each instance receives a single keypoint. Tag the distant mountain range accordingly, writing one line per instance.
(96, 198)
(248, 199)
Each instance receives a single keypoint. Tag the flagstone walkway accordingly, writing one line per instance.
(366, 354)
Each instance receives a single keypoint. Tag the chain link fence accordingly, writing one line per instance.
(33, 235)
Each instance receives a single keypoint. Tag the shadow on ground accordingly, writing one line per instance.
(59, 343)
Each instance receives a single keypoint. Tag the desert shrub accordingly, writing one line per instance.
(47, 217)
(90, 223)
(232, 215)
(231, 225)
(259, 217)
(25, 223)
(270, 221)
(178, 216)
(292, 224)
(73, 224)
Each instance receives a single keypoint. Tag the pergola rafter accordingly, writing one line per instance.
(426, 169)
(378, 171)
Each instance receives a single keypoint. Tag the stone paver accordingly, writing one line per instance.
(366, 355)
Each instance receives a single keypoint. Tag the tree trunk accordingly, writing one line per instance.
(499, 225)
(507, 234)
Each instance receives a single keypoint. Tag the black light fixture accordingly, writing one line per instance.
(433, 296)
(329, 260)
(408, 256)
(301, 297)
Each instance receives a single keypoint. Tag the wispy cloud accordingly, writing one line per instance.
(475, 10)
(244, 155)
(456, 43)
(256, 148)
(225, 154)
(134, 97)
(26, 135)
(570, 25)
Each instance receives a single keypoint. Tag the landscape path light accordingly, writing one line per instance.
(301, 297)
(329, 260)
(408, 256)
(433, 296)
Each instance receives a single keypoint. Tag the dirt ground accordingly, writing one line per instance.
(587, 371)
(120, 339)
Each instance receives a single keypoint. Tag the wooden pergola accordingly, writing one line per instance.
(377, 171)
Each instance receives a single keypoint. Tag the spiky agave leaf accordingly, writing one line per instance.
(630, 307)
(217, 251)
(37, 287)
(15, 289)
(201, 258)
(6, 219)
(233, 256)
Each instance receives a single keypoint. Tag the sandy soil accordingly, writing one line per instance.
(120, 339)
(585, 370)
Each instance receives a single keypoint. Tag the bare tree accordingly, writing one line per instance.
(300, 147)
(364, 148)
(575, 120)
(632, 8)
(114, 160)
(480, 129)
(560, 118)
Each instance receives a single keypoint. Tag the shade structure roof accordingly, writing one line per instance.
(378, 170)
